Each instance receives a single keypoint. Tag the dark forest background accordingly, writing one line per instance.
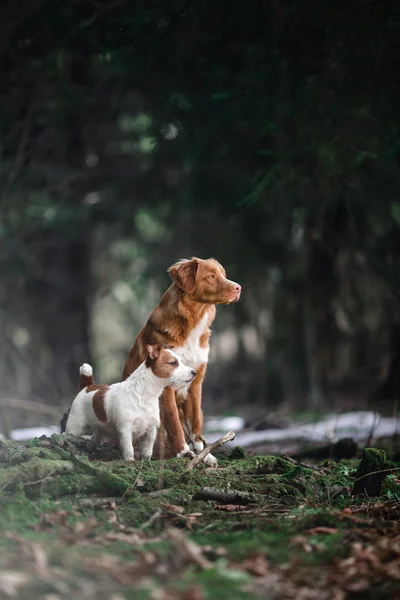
(264, 134)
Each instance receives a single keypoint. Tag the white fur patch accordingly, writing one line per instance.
(191, 352)
(186, 450)
(210, 461)
(86, 370)
(198, 446)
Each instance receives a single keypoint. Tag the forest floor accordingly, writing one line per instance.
(258, 526)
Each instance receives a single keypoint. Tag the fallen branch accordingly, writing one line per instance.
(298, 463)
(231, 497)
(210, 448)
(99, 503)
(38, 480)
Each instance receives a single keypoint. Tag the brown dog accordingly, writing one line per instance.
(182, 320)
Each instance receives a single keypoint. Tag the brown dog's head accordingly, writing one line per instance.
(205, 281)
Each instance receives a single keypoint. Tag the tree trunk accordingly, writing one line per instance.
(58, 291)
(59, 287)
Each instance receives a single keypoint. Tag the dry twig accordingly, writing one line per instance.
(210, 448)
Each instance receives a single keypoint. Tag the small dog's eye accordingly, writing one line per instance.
(174, 363)
(212, 276)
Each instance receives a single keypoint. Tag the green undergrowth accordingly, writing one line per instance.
(106, 517)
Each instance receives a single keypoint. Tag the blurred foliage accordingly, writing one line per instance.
(128, 130)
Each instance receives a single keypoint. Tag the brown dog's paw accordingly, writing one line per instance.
(211, 461)
(186, 453)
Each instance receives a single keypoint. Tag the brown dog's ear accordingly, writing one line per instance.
(153, 351)
(184, 274)
(167, 346)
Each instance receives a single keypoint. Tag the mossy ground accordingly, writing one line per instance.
(79, 528)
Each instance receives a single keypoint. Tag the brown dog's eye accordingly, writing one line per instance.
(212, 276)
(174, 363)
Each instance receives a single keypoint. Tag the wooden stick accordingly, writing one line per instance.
(210, 448)
(151, 520)
(301, 464)
(228, 497)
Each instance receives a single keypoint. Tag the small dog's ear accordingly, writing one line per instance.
(184, 274)
(153, 351)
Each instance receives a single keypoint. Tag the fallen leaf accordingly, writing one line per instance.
(126, 573)
(193, 593)
(129, 538)
(58, 517)
(174, 508)
(301, 542)
(189, 551)
(321, 531)
(230, 507)
(10, 581)
(256, 565)
(111, 517)
(41, 563)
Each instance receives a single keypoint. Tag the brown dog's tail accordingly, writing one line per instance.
(85, 376)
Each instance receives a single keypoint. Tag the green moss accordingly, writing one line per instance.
(217, 583)
(373, 459)
(288, 501)
(308, 519)
(20, 513)
(237, 453)
(54, 471)
(68, 485)
(371, 473)
(391, 487)
(34, 470)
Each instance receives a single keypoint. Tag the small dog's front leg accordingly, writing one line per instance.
(147, 443)
(125, 440)
(97, 437)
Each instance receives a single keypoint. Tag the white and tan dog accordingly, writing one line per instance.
(129, 409)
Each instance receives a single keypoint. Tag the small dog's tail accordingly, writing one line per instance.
(85, 376)
(85, 379)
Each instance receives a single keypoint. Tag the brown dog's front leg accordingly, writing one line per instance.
(170, 420)
(194, 415)
(192, 409)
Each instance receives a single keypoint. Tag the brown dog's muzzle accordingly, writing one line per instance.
(238, 291)
(234, 291)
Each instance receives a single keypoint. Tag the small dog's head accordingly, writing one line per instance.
(205, 281)
(167, 365)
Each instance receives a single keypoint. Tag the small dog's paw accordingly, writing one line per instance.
(210, 461)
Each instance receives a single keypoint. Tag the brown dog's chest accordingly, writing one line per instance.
(195, 349)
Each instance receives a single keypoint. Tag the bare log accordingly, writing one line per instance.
(231, 497)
